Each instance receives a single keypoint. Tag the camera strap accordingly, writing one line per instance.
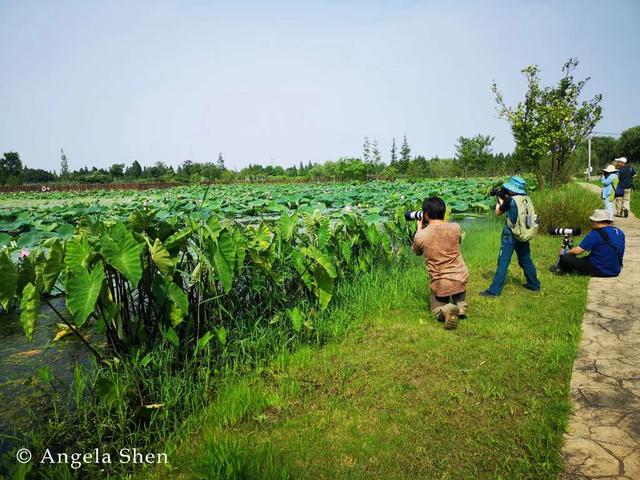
(607, 240)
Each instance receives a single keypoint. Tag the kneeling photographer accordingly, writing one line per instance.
(439, 242)
(605, 244)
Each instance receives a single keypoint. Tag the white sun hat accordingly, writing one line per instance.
(610, 169)
(600, 216)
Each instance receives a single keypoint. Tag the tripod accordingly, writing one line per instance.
(567, 244)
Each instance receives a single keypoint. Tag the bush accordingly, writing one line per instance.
(568, 206)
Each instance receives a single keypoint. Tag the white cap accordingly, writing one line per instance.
(621, 159)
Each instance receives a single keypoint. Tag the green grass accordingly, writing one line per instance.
(568, 206)
(399, 397)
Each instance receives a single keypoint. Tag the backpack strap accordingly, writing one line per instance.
(607, 240)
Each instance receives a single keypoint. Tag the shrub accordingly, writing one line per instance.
(568, 206)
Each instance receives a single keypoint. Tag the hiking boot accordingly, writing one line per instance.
(626, 213)
(531, 287)
(451, 313)
(463, 311)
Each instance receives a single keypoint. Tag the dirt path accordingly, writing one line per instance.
(604, 433)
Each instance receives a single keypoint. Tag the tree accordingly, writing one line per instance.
(376, 157)
(394, 156)
(220, 162)
(366, 151)
(405, 155)
(64, 165)
(135, 170)
(550, 122)
(629, 144)
(11, 169)
(473, 154)
(603, 150)
(117, 170)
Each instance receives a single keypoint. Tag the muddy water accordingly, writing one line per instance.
(24, 399)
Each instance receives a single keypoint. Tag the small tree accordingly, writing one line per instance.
(376, 156)
(474, 154)
(394, 155)
(550, 122)
(405, 155)
(135, 170)
(117, 170)
(64, 165)
(11, 169)
(629, 144)
(220, 162)
(366, 151)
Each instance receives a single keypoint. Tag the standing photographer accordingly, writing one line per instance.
(609, 180)
(520, 226)
(606, 244)
(623, 192)
(439, 242)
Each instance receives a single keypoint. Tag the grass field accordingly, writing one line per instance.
(399, 397)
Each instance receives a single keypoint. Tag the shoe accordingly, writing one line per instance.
(487, 293)
(626, 213)
(463, 312)
(556, 270)
(451, 314)
(531, 287)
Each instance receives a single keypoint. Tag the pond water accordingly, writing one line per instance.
(24, 399)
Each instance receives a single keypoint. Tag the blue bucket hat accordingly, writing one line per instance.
(516, 185)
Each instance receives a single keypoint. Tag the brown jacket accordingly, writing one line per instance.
(440, 245)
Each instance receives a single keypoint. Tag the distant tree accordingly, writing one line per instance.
(135, 170)
(11, 169)
(405, 156)
(418, 167)
(64, 165)
(220, 162)
(366, 151)
(629, 144)
(117, 170)
(473, 154)
(550, 122)
(376, 157)
(37, 175)
(603, 150)
(394, 155)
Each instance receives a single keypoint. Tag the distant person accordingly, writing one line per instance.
(623, 193)
(439, 242)
(609, 180)
(520, 226)
(605, 244)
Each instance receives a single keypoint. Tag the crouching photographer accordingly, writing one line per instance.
(605, 244)
(439, 242)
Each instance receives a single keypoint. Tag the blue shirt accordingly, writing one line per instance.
(510, 207)
(603, 256)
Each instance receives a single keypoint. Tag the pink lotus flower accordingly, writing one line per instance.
(24, 253)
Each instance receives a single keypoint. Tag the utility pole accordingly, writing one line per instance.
(589, 149)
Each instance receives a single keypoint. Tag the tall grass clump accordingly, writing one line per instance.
(568, 206)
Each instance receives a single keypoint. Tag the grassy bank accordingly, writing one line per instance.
(399, 397)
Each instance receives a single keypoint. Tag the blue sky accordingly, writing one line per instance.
(284, 82)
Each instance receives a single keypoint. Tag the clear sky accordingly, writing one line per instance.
(283, 82)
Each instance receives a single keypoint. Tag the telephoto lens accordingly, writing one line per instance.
(415, 215)
(575, 231)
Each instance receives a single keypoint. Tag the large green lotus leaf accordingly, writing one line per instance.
(322, 258)
(77, 253)
(224, 260)
(288, 224)
(161, 257)
(5, 239)
(53, 265)
(122, 252)
(179, 303)
(324, 286)
(29, 309)
(83, 291)
(8, 280)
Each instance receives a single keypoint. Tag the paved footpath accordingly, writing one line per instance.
(603, 440)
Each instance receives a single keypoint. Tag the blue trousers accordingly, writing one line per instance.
(523, 251)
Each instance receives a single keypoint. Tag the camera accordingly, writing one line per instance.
(575, 231)
(413, 215)
(498, 192)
